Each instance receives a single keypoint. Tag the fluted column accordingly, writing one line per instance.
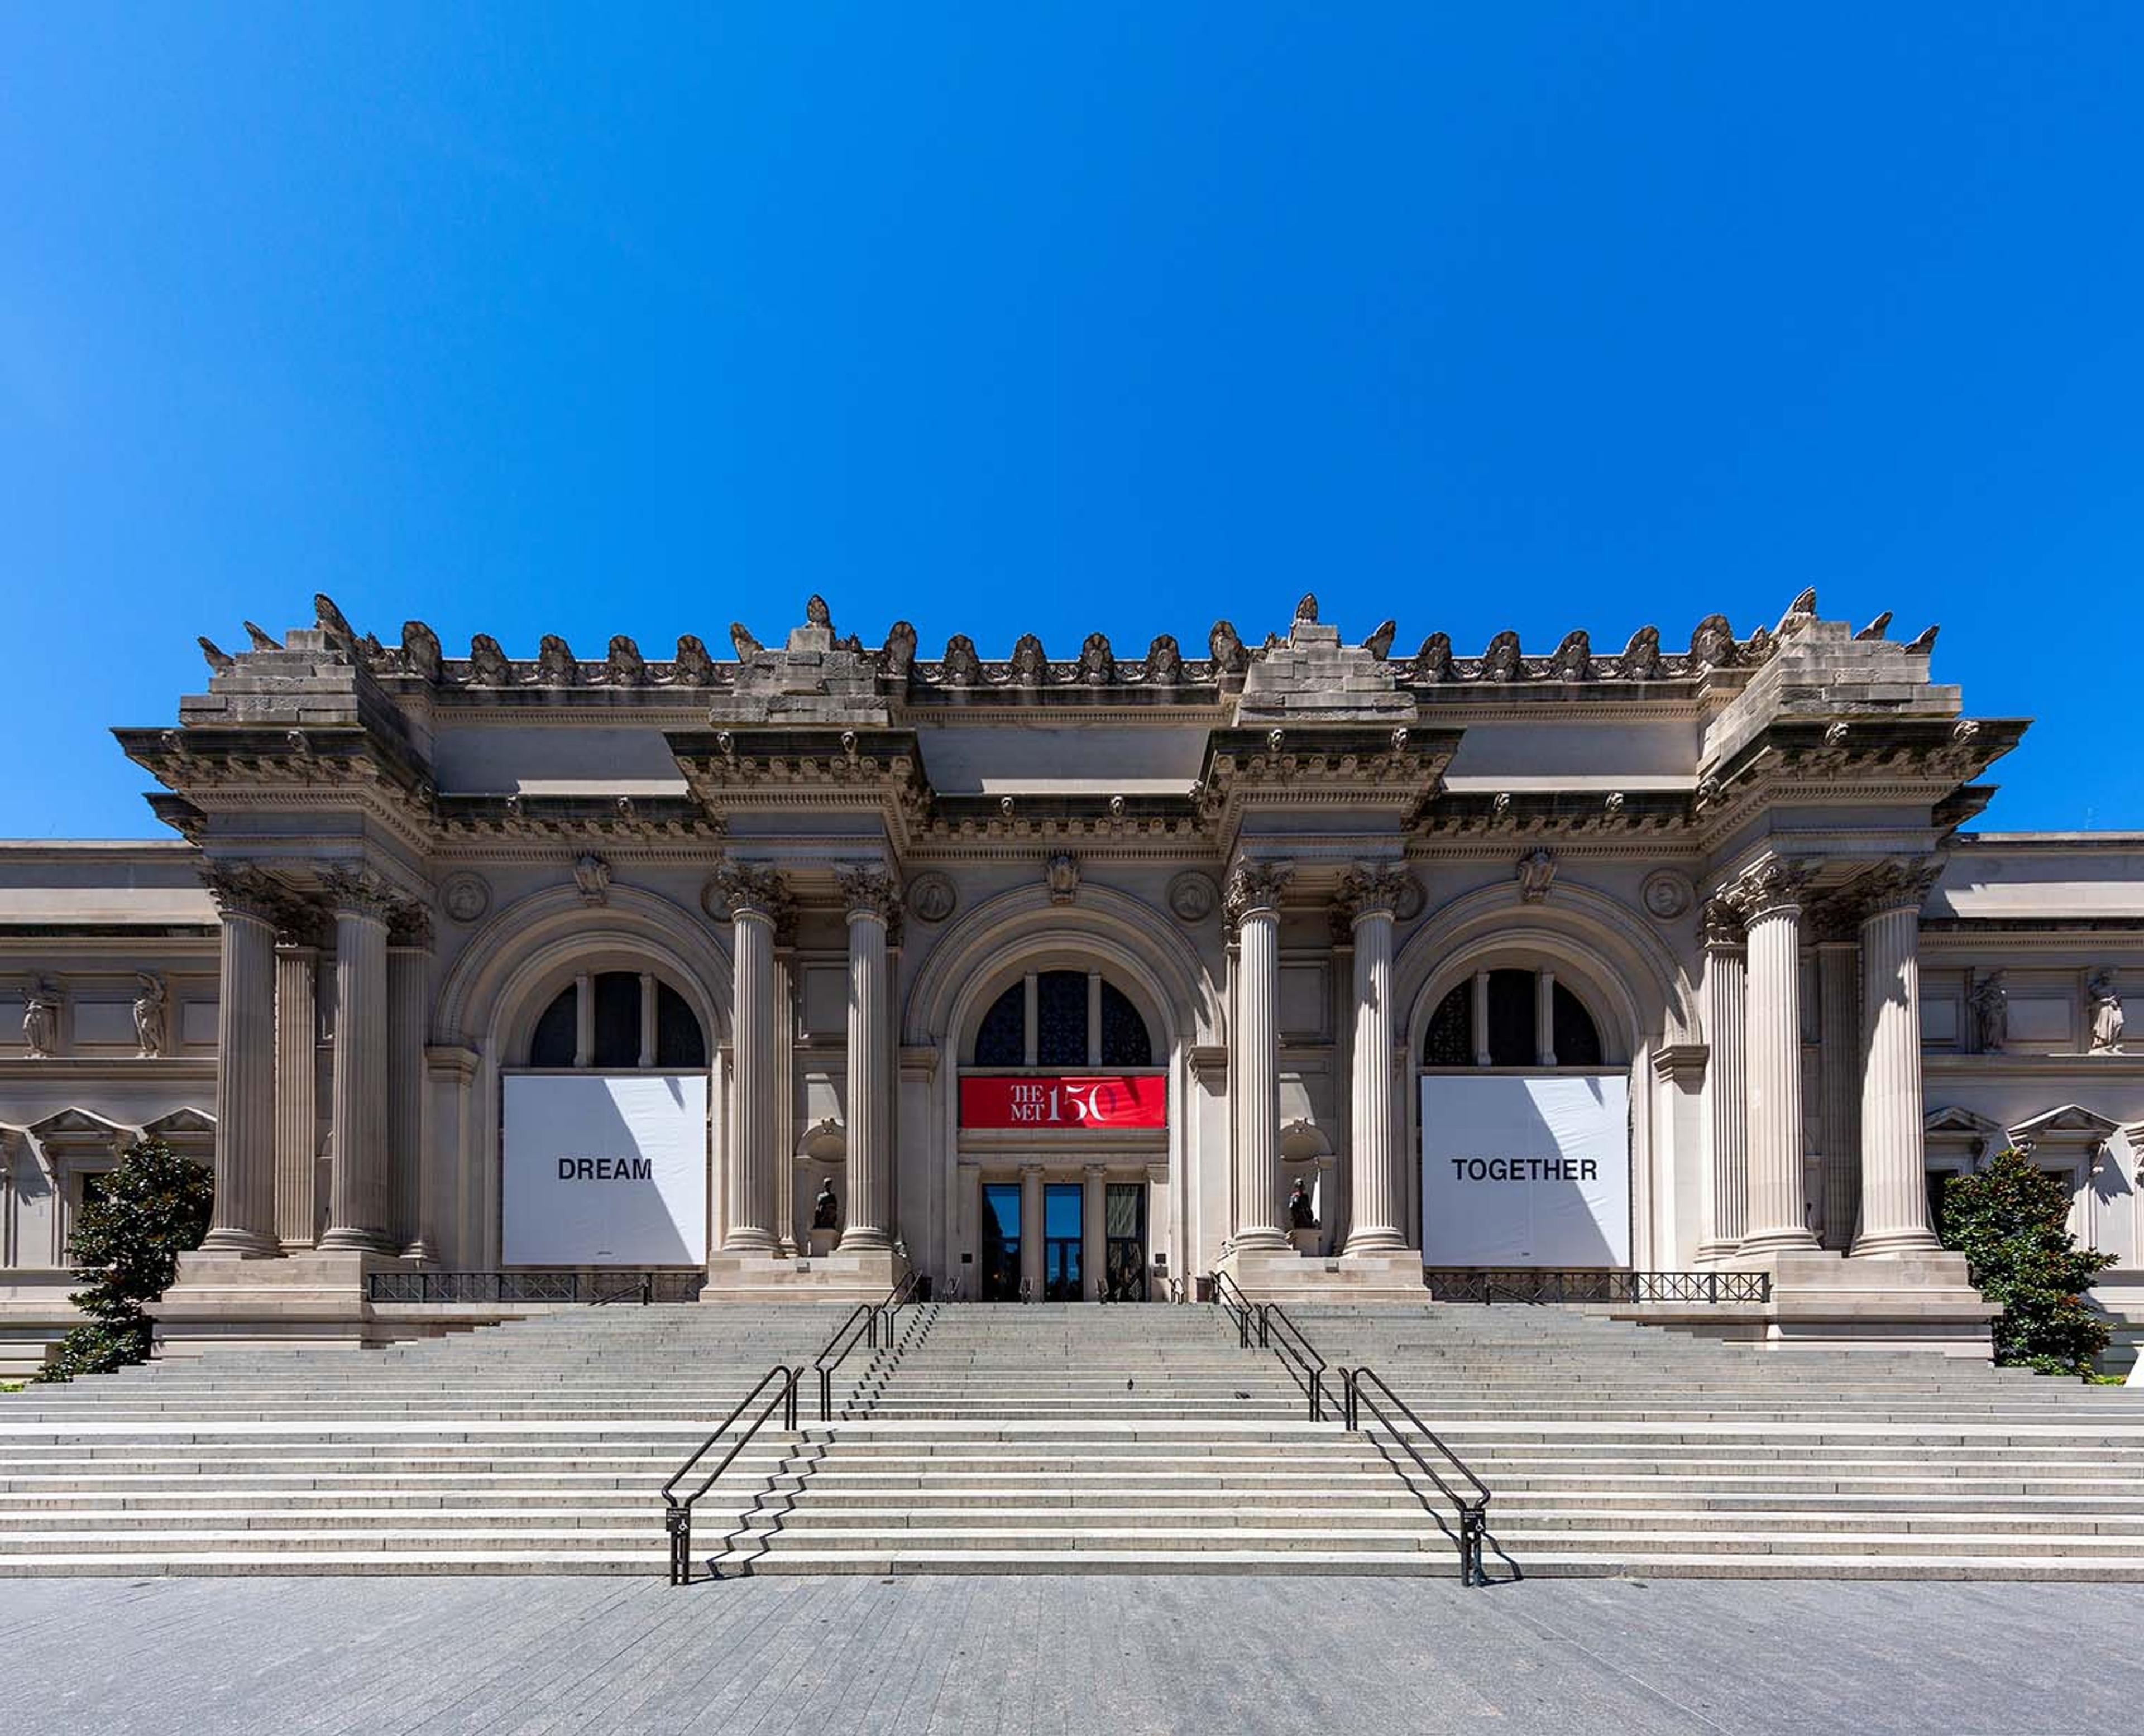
(874, 902)
(1366, 898)
(1726, 1082)
(1769, 898)
(242, 1220)
(297, 1091)
(1894, 1201)
(1031, 1232)
(758, 903)
(358, 1180)
(1252, 903)
(1094, 1232)
(1838, 1069)
(409, 962)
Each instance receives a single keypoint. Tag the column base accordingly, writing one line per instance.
(242, 1244)
(1822, 1300)
(1899, 1244)
(864, 1275)
(223, 1301)
(1779, 1241)
(358, 1242)
(1289, 1279)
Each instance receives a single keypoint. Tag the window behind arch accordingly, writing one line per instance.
(1511, 1038)
(1063, 1028)
(680, 1045)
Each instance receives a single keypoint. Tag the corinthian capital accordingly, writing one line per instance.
(1774, 887)
(360, 891)
(1372, 889)
(1900, 884)
(872, 891)
(240, 888)
(740, 889)
(1255, 886)
(1723, 927)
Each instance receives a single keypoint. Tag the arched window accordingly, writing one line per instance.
(1504, 1024)
(618, 1038)
(1080, 1019)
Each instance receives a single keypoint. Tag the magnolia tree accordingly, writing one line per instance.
(2011, 1221)
(126, 1245)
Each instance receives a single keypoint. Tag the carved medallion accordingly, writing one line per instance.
(1407, 905)
(1667, 895)
(465, 896)
(931, 897)
(1192, 896)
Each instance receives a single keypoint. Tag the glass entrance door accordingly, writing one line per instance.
(1000, 1254)
(1062, 1214)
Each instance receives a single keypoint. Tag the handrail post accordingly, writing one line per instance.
(1262, 1327)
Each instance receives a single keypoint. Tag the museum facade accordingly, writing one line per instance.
(1346, 971)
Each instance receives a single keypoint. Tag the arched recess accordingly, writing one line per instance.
(498, 986)
(1139, 948)
(1614, 961)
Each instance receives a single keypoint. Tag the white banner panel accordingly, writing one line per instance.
(606, 1169)
(1525, 1171)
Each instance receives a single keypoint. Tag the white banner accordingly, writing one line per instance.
(1525, 1171)
(606, 1169)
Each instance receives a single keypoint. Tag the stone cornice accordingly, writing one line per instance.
(879, 770)
(1521, 813)
(650, 819)
(1860, 755)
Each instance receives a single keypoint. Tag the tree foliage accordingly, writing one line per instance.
(2010, 1220)
(126, 1246)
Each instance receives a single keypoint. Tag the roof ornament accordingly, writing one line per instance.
(1712, 644)
(1799, 614)
(420, 650)
(899, 650)
(741, 639)
(1926, 642)
(1097, 664)
(1502, 661)
(488, 664)
(1641, 656)
(332, 622)
(816, 613)
(1031, 664)
(960, 668)
(218, 658)
(1432, 663)
(1226, 649)
(1306, 609)
(262, 639)
(1874, 630)
(1379, 644)
(556, 666)
(694, 667)
(1574, 659)
(627, 667)
(1164, 662)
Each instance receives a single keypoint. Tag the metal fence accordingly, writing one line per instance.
(1542, 1284)
(535, 1286)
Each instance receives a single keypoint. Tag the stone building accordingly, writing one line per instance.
(1301, 959)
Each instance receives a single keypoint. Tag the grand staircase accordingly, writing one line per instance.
(1073, 1438)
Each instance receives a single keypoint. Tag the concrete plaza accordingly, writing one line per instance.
(1072, 1654)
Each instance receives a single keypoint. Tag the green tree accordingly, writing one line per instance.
(2011, 1223)
(126, 1246)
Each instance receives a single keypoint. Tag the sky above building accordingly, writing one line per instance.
(1066, 318)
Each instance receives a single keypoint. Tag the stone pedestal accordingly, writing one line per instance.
(823, 1242)
(228, 1302)
(1823, 1300)
(864, 1276)
(1289, 1278)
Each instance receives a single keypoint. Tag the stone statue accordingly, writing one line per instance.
(1227, 650)
(1574, 659)
(1300, 1214)
(1500, 662)
(1990, 1013)
(900, 649)
(1030, 664)
(1433, 661)
(826, 1209)
(488, 664)
(1875, 629)
(2106, 1013)
(218, 659)
(41, 1017)
(1379, 644)
(694, 667)
(960, 668)
(816, 613)
(332, 621)
(1307, 610)
(149, 1006)
(1641, 656)
(1097, 664)
(1712, 644)
(259, 638)
(625, 666)
(1164, 662)
(742, 642)
(556, 665)
(420, 650)
(1924, 642)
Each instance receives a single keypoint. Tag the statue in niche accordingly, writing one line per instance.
(41, 1017)
(826, 1209)
(1302, 1215)
(2106, 1019)
(1990, 1013)
(149, 1007)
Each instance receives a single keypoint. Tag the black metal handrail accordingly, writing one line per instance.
(861, 1323)
(1551, 1284)
(1285, 1339)
(678, 1513)
(1473, 1509)
(654, 1285)
(1239, 1307)
(898, 1298)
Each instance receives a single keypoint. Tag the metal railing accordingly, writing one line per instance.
(534, 1286)
(862, 1324)
(1543, 1284)
(676, 1511)
(1267, 1326)
(1473, 1509)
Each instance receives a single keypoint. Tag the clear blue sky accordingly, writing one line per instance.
(603, 320)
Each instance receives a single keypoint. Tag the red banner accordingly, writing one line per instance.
(1066, 1101)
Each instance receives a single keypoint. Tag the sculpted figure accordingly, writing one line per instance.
(217, 658)
(149, 1005)
(1030, 664)
(816, 613)
(1432, 663)
(1227, 650)
(1379, 644)
(1574, 659)
(1874, 630)
(1500, 661)
(742, 641)
(1164, 662)
(488, 664)
(332, 621)
(1097, 664)
(556, 666)
(1924, 642)
(41, 1017)
(1307, 610)
(1641, 656)
(826, 1209)
(961, 667)
(1537, 873)
(1712, 644)
(2107, 1019)
(694, 667)
(1300, 1214)
(899, 650)
(1990, 1013)
(260, 638)
(420, 650)
(626, 667)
